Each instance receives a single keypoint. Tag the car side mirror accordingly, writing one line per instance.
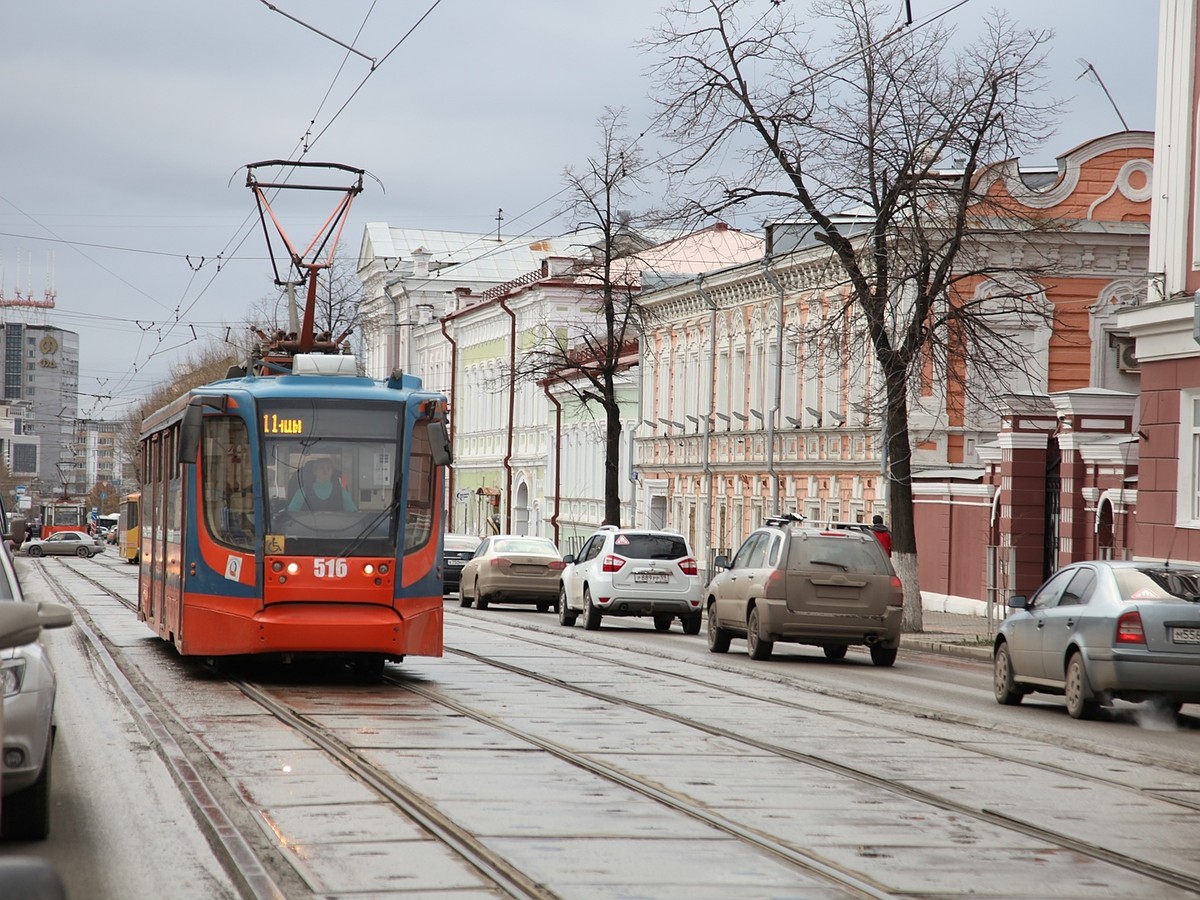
(54, 615)
(569, 558)
(721, 562)
(19, 624)
(1018, 601)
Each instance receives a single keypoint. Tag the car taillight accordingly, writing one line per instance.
(775, 586)
(688, 566)
(500, 562)
(897, 598)
(1129, 628)
(612, 563)
(556, 565)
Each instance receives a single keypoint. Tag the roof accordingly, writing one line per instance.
(457, 257)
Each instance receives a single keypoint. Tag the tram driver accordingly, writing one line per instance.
(320, 490)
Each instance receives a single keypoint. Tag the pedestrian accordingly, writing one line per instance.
(881, 533)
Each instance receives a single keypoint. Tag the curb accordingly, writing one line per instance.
(947, 648)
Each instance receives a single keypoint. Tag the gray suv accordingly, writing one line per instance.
(789, 582)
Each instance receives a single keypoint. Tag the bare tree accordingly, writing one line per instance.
(603, 341)
(851, 133)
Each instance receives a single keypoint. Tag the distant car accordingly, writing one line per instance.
(632, 572)
(1101, 631)
(829, 587)
(456, 550)
(29, 691)
(511, 569)
(64, 543)
(111, 535)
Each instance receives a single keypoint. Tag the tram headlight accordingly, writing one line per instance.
(277, 566)
(368, 569)
(293, 568)
(383, 568)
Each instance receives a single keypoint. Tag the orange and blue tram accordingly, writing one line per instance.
(297, 514)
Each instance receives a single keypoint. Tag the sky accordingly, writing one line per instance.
(127, 126)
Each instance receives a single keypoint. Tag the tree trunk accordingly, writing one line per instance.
(900, 501)
(612, 465)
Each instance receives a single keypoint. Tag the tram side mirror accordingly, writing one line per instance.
(189, 435)
(439, 443)
(189, 430)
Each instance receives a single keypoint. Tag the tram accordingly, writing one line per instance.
(129, 528)
(294, 508)
(296, 514)
(63, 514)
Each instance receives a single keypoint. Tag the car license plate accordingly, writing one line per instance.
(651, 577)
(454, 562)
(1185, 635)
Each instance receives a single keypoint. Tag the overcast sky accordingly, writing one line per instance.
(127, 125)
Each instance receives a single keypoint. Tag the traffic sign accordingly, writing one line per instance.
(462, 496)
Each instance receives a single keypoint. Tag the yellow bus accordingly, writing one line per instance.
(129, 529)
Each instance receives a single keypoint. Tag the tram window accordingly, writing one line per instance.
(228, 486)
(418, 524)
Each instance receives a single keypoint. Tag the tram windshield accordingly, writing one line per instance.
(331, 476)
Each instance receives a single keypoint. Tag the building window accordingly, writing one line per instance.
(1187, 511)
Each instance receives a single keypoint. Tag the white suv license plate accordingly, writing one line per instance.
(455, 562)
(1185, 635)
(651, 577)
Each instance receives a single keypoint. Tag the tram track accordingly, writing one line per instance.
(492, 867)
(1129, 863)
(513, 882)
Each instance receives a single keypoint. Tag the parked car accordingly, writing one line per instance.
(456, 550)
(1100, 631)
(830, 587)
(632, 572)
(511, 568)
(64, 543)
(29, 691)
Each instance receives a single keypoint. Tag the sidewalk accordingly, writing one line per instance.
(954, 635)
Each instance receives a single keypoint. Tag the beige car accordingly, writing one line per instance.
(509, 568)
(788, 582)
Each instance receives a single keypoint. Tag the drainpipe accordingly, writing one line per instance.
(453, 404)
(712, 389)
(557, 454)
(394, 342)
(512, 408)
(778, 385)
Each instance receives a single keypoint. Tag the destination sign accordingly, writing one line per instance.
(273, 423)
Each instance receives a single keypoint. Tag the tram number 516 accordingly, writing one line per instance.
(329, 567)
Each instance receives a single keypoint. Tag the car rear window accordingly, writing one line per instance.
(1158, 584)
(650, 546)
(849, 553)
(532, 546)
(455, 542)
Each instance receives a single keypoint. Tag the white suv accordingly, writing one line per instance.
(632, 572)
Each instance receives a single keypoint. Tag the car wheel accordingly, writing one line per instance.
(1079, 706)
(755, 645)
(25, 815)
(464, 600)
(835, 651)
(662, 621)
(481, 602)
(34, 551)
(691, 623)
(83, 553)
(591, 615)
(883, 656)
(718, 637)
(1003, 678)
(566, 615)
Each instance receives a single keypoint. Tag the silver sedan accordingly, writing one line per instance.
(1101, 631)
(64, 543)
